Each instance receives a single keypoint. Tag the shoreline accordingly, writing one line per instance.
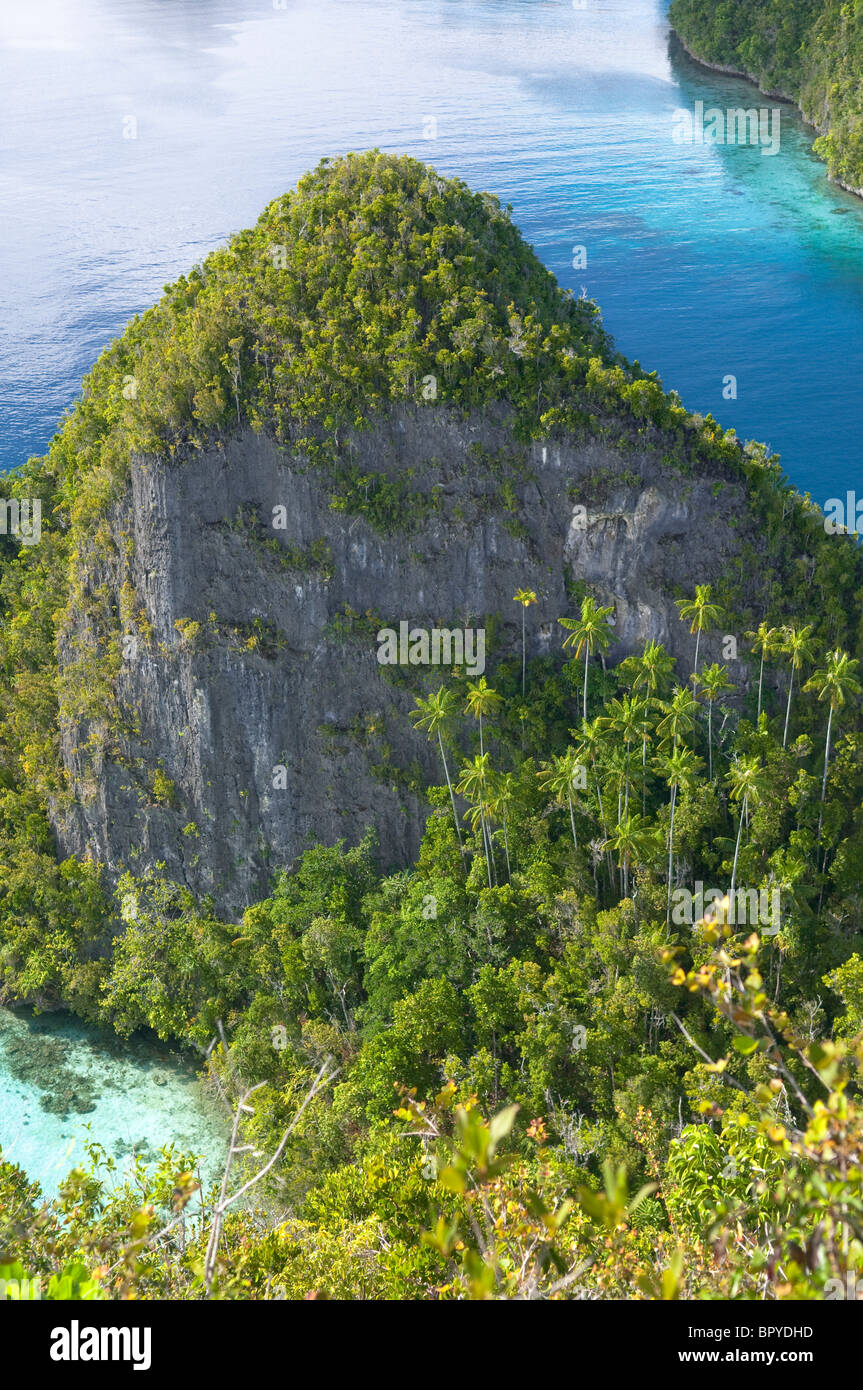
(771, 95)
(175, 1051)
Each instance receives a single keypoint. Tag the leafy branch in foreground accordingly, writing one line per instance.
(792, 1202)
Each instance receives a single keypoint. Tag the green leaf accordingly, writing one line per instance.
(452, 1180)
(501, 1124)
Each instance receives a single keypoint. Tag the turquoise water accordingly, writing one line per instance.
(62, 1083)
(706, 261)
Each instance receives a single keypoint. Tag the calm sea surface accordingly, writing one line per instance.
(707, 261)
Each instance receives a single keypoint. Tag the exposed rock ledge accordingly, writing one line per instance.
(218, 717)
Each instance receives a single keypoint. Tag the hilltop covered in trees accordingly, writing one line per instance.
(543, 1060)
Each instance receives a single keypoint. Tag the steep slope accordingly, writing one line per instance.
(252, 669)
(374, 407)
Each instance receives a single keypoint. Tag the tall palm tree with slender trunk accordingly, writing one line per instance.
(498, 800)
(679, 768)
(796, 643)
(473, 784)
(655, 667)
(588, 634)
(525, 597)
(678, 716)
(765, 641)
(631, 839)
(434, 715)
(834, 682)
(482, 702)
(743, 780)
(626, 717)
(558, 777)
(480, 814)
(701, 612)
(589, 746)
(652, 672)
(714, 682)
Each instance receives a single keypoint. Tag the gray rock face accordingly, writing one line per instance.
(273, 719)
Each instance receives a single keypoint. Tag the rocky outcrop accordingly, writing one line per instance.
(256, 718)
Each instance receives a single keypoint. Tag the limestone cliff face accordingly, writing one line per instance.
(272, 718)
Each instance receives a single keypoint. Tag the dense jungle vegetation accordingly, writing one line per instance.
(808, 50)
(521, 1067)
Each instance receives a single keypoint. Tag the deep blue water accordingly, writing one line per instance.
(706, 261)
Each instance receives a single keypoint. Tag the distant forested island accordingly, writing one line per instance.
(809, 51)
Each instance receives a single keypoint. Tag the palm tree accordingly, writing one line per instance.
(589, 744)
(655, 666)
(472, 784)
(646, 725)
(501, 796)
(588, 634)
(701, 612)
(481, 700)
(433, 715)
(525, 597)
(766, 641)
(476, 815)
(627, 717)
(715, 681)
(617, 764)
(679, 768)
(631, 839)
(679, 715)
(796, 643)
(652, 669)
(834, 683)
(557, 777)
(742, 777)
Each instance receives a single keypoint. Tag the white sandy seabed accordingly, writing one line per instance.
(63, 1083)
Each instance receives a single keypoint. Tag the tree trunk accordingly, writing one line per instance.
(737, 846)
(451, 795)
(506, 847)
(523, 651)
(826, 764)
(788, 706)
(572, 821)
(485, 843)
(607, 856)
(670, 860)
(584, 697)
